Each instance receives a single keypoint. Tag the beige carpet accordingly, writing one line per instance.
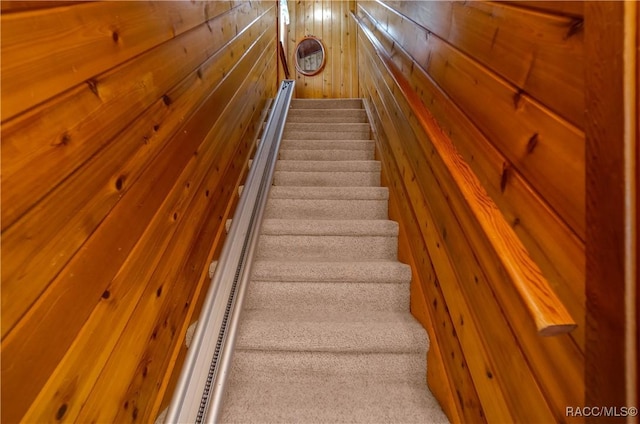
(326, 335)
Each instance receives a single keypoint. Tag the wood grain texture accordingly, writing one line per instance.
(537, 53)
(545, 149)
(606, 368)
(48, 51)
(447, 371)
(8, 6)
(52, 236)
(145, 206)
(329, 21)
(546, 358)
(72, 127)
(545, 309)
(573, 8)
(553, 246)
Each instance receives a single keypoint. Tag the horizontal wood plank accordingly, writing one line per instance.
(558, 7)
(544, 354)
(49, 51)
(447, 371)
(43, 240)
(67, 130)
(115, 238)
(546, 150)
(553, 246)
(494, 399)
(8, 6)
(539, 54)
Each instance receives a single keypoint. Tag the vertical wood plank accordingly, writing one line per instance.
(605, 367)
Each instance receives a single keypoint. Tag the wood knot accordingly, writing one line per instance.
(120, 182)
(106, 294)
(159, 291)
(575, 27)
(532, 143)
(156, 127)
(65, 139)
(93, 86)
(115, 36)
(167, 100)
(517, 98)
(504, 178)
(61, 411)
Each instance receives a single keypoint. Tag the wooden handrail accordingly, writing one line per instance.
(547, 311)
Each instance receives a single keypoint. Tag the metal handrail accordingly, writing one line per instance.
(199, 393)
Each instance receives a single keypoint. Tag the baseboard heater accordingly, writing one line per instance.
(199, 393)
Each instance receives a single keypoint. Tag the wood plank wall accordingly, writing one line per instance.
(126, 127)
(504, 83)
(330, 21)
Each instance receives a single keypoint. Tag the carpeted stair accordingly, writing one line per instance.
(326, 334)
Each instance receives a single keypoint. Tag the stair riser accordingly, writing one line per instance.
(332, 272)
(335, 118)
(326, 154)
(312, 367)
(329, 297)
(326, 135)
(327, 179)
(291, 247)
(326, 209)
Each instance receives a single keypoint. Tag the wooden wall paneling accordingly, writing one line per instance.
(610, 202)
(58, 132)
(146, 259)
(327, 33)
(328, 20)
(353, 49)
(337, 62)
(22, 5)
(48, 51)
(130, 374)
(53, 237)
(558, 252)
(178, 355)
(508, 364)
(539, 53)
(548, 151)
(465, 397)
(145, 388)
(559, 407)
(448, 395)
(480, 363)
(549, 357)
(569, 8)
(44, 321)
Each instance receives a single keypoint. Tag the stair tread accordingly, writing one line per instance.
(329, 227)
(339, 366)
(358, 331)
(345, 144)
(332, 401)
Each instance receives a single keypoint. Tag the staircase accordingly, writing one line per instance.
(326, 334)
